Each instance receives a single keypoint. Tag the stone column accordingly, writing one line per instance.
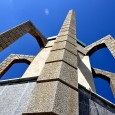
(56, 89)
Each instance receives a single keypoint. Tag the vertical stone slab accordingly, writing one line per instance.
(38, 63)
(110, 43)
(112, 85)
(85, 77)
(56, 90)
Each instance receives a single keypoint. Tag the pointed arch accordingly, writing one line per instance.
(107, 41)
(14, 58)
(110, 77)
(10, 36)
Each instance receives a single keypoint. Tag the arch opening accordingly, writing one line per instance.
(96, 48)
(101, 77)
(26, 45)
(103, 87)
(15, 69)
(14, 34)
(103, 59)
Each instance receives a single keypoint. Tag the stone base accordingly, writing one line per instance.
(53, 98)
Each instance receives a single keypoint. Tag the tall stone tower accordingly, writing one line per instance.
(59, 79)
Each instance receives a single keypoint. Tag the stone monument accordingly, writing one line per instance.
(59, 79)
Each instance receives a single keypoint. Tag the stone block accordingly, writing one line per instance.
(69, 26)
(67, 33)
(50, 98)
(66, 29)
(80, 48)
(50, 43)
(64, 44)
(4, 45)
(66, 101)
(66, 38)
(70, 23)
(63, 55)
(43, 98)
(1, 48)
(59, 70)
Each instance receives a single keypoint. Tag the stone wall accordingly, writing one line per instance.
(15, 95)
(93, 104)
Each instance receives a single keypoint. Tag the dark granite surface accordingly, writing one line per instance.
(92, 104)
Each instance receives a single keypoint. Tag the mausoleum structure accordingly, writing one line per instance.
(59, 79)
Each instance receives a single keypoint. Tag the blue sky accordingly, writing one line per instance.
(95, 19)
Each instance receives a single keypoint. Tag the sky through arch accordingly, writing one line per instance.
(100, 60)
(14, 71)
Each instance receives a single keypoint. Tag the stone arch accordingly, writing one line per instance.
(107, 41)
(95, 48)
(102, 74)
(10, 36)
(14, 58)
(110, 77)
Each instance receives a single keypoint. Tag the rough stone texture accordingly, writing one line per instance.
(93, 104)
(66, 101)
(85, 77)
(66, 45)
(69, 26)
(10, 36)
(107, 41)
(53, 97)
(105, 74)
(110, 77)
(65, 51)
(66, 38)
(59, 70)
(66, 29)
(67, 33)
(56, 67)
(112, 85)
(63, 55)
(80, 56)
(19, 96)
(14, 98)
(55, 90)
(80, 49)
(44, 95)
(14, 58)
